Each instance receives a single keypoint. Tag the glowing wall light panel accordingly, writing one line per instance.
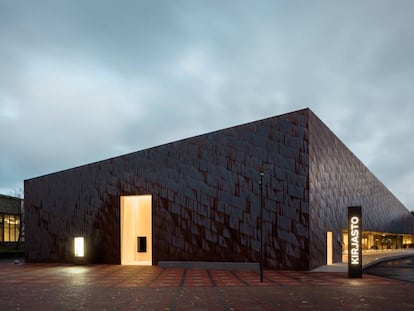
(79, 247)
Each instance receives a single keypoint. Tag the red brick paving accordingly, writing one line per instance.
(111, 287)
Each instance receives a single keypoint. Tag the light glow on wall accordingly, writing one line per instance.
(79, 246)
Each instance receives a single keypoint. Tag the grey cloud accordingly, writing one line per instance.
(87, 80)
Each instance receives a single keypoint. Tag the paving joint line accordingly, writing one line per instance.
(219, 292)
(104, 275)
(239, 278)
(155, 278)
(213, 281)
(131, 276)
(183, 278)
(178, 291)
(272, 281)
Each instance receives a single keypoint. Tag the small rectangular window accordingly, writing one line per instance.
(9, 228)
(142, 244)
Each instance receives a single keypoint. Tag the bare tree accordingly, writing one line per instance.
(17, 193)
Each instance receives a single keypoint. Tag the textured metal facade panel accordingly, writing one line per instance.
(206, 198)
(338, 179)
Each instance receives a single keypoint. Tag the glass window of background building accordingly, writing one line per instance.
(374, 242)
(9, 228)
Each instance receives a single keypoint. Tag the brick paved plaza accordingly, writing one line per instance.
(114, 287)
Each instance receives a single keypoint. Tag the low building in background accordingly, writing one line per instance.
(199, 199)
(11, 211)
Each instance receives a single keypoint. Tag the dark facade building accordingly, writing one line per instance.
(199, 199)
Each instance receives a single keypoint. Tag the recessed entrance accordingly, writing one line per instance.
(136, 230)
(329, 248)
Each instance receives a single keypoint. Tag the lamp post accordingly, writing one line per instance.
(261, 225)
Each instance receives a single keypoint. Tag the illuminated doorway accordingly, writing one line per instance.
(329, 248)
(136, 230)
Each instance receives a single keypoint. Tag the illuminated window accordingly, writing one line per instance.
(9, 228)
(1, 229)
(13, 235)
(6, 228)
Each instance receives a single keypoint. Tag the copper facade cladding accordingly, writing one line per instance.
(206, 197)
(337, 179)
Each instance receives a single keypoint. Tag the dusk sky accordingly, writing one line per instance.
(82, 81)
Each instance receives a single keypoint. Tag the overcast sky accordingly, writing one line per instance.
(82, 81)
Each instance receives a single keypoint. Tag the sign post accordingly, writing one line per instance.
(354, 242)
